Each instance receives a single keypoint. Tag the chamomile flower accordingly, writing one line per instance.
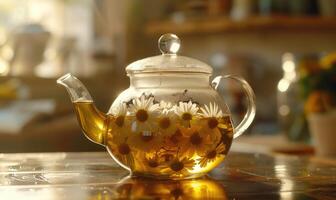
(166, 109)
(225, 126)
(119, 110)
(212, 154)
(142, 108)
(119, 113)
(197, 141)
(212, 113)
(186, 111)
(215, 134)
(176, 140)
(167, 122)
(164, 122)
(181, 165)
(119, 124)
(146, 141)
(165, 105)
(144, 112)
(151, 161)
(167, 157)
(122, 150)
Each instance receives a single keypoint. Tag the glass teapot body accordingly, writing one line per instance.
(170, 123)
(171, 126)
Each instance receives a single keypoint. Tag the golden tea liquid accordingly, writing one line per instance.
(162, 145)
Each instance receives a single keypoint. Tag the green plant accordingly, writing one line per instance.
(318, 83)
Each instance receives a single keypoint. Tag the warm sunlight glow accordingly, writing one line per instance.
(174, 47)
(2, 37)
(290, 75)
(283, 85)
(4, 68)
(197, 168)
(288, 66)
(286, 184)
(284, 110)
(7, 52)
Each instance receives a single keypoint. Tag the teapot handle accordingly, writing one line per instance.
(251, 108)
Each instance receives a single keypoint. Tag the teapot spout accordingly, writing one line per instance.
(76, 90)
(91, 120)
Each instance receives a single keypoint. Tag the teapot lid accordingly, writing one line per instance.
(169, 61)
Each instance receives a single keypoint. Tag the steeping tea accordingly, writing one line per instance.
(162, 140)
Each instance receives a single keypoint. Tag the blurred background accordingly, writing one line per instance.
(264, 41)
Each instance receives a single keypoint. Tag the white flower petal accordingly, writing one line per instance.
(143, 103)
(186, 107)
(211, 111)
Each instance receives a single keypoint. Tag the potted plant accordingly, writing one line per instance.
(318, 86)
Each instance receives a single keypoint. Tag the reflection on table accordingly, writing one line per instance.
(96, 176)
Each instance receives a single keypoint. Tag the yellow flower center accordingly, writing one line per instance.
(195, 139)
(212, 122)
(153, 163)
(124, 149)
(120, 121)
(164, 123)
(177, 165)
(211, 154)
(186, 116)
(141, 115)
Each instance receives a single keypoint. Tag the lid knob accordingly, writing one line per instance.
(169, 44)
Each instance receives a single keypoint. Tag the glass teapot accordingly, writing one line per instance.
(171, 123)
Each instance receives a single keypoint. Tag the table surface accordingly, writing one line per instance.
(97, 176)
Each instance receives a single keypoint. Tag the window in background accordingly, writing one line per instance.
(60, 31)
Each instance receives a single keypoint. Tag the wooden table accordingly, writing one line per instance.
(95, 176)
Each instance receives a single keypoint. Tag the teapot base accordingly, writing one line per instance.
(166, 177)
